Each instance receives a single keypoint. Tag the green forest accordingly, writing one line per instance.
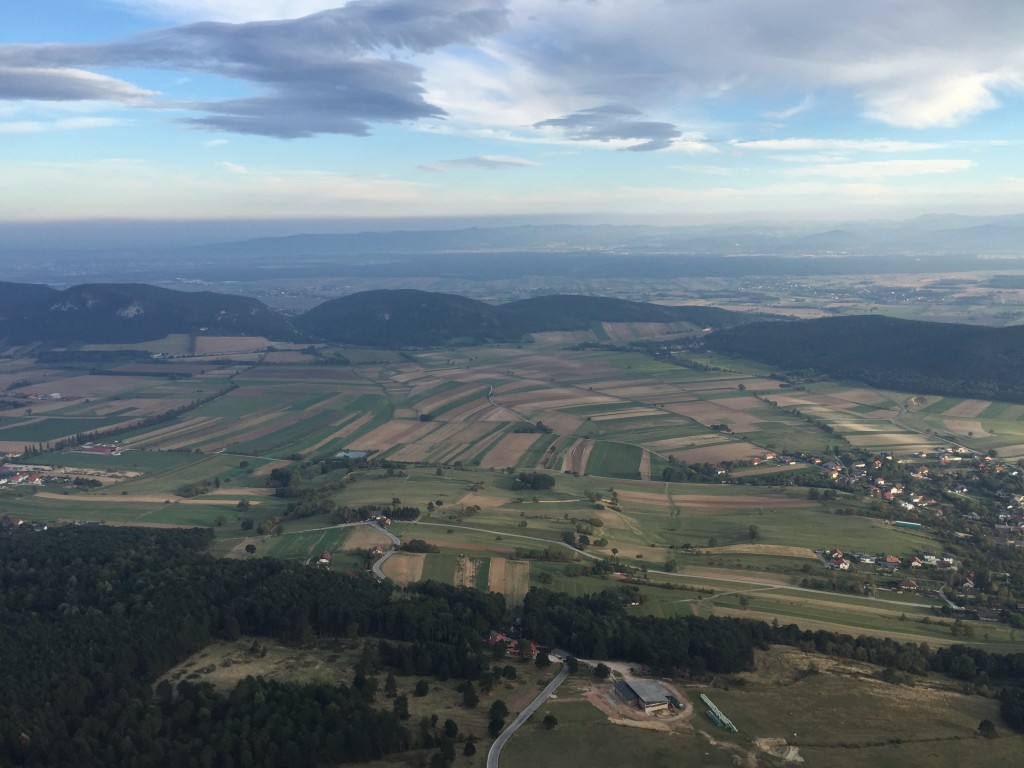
(91, 616)
(907, 355)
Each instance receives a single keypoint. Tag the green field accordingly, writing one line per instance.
(615, 460)
(584, 738)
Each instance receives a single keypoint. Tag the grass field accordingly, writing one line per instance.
(615, 460)
(793, 708)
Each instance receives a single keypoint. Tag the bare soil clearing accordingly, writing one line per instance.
(365, 537)
(768, 549)
(404, 568)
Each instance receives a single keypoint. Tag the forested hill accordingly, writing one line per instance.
(134, 312)
(419, 318)
(909, 355)
(128, 312)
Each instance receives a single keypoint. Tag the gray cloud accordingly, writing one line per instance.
(17, 83)
(331, 72)
(900, 66)
(611, 122)
(486, 162)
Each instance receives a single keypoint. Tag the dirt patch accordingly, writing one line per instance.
(517, 580)
(266, 469)
(731, 451)
(577, 456)
(366, 537)
(693, 502)
(465, 572)
(778, 748)
(509, 450)
(768, 549)
(645, 465)
(404, 568)
(135, 498)
(394, 432)
(968, 409)
(496, 575)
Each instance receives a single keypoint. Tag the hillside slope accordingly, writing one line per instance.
(908, 355)
(129, 312)
(419, 318)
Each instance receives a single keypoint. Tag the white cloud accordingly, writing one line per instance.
(942, 101)
(837, 145)
(805, 105)
(229, 10)
(881, 169)
(66, 124)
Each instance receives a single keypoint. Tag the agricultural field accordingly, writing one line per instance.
(198, 436)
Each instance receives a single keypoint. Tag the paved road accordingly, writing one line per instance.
(496, 747)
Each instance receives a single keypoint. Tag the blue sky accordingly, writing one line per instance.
(661, 111)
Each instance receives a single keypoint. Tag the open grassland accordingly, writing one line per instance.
(840, 713)
(585, 737)
(794, 708)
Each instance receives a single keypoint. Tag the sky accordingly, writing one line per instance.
(654, 111)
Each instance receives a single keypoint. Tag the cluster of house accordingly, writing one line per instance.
(324, 561)
(13, 474)
(101, 449)
(523, 649)
(837, 560)
(10, 524)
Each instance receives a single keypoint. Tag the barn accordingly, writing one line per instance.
(648, 695)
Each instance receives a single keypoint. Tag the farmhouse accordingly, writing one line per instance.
(648, 695)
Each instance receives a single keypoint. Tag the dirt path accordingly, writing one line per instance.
(465, 572)
(577, 456)
(645, 465)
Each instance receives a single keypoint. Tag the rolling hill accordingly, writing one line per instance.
(419, 318)
(908, 355)
(129, 312)
(133, 312)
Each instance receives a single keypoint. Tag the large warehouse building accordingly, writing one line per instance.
(648, 695)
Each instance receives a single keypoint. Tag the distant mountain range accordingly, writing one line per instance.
(906, 355)
(132, 312)
(925, 244)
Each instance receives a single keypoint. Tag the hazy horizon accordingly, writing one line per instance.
(480, 110)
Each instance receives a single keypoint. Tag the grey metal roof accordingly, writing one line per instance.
(649, 691)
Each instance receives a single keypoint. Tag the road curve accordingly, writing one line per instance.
(533, 706)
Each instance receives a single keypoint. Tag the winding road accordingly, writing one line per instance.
(495, 752)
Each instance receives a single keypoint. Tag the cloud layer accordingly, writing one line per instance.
(637, 75)
(336, 71)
